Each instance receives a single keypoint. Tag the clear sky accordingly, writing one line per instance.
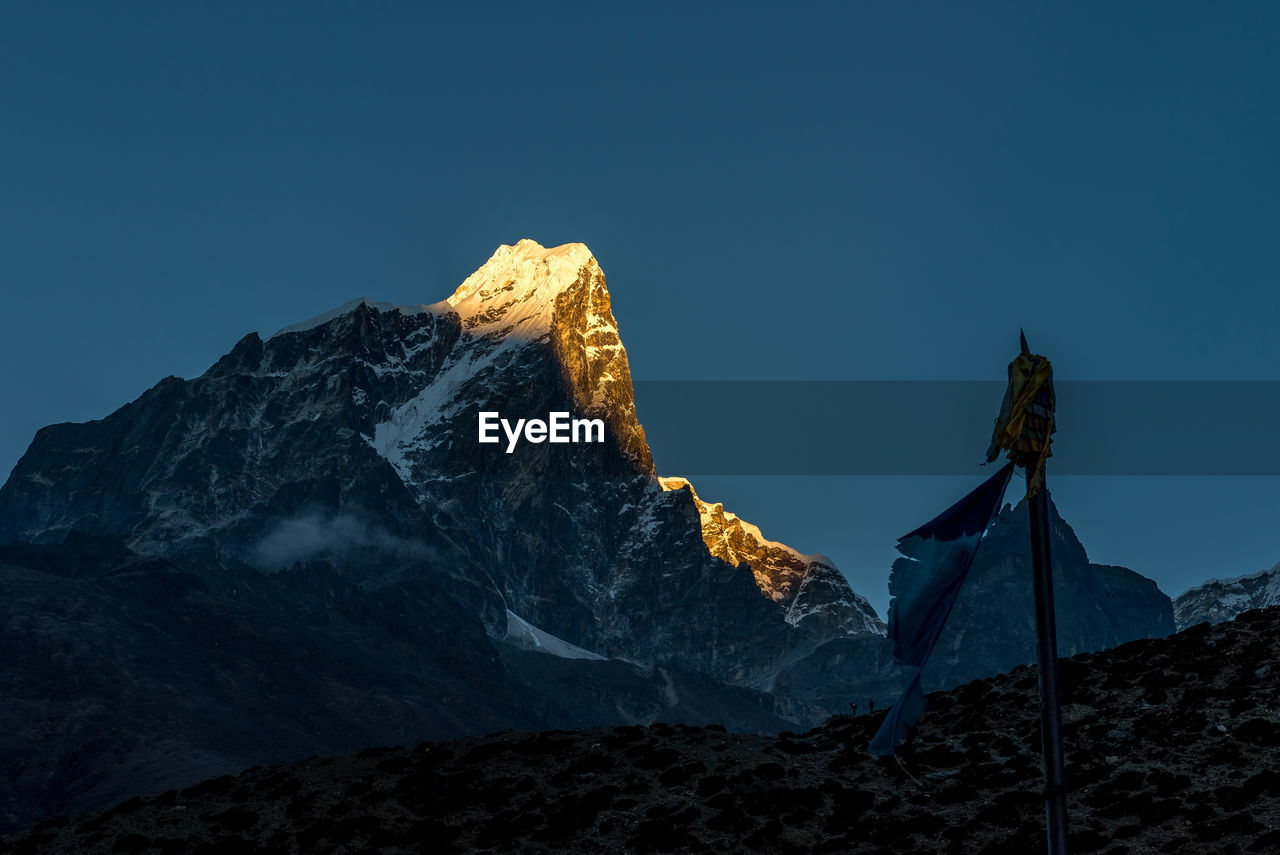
(843, 191)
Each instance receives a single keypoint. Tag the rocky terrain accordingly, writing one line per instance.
(1222, 599)
(1173, 746)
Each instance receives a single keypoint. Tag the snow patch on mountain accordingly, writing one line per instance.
(525, 635)
(406, 432)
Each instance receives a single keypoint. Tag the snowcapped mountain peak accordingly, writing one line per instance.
(514, 293)
(526, 306)
(528, 248)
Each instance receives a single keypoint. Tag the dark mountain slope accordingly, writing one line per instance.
(1172, 747)
(992, 628)
(126, 674)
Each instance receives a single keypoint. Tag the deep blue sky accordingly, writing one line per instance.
(854, 191)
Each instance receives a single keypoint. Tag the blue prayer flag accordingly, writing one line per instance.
(924, 585)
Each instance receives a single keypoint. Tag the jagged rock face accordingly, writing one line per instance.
(352, 438)
(203, 468)
(992, 628)
(811, 593)
(1222, 599)
(584, 336)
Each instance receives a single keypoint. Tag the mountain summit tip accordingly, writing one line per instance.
(527, 248)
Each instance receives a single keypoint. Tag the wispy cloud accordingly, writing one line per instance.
(316, 535)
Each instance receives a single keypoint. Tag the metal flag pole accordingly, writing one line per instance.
(1025, 429)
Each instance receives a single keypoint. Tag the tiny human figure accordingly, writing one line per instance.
(853, 705)
(871, 704)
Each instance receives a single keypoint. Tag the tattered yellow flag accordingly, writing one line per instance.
(1025, 425)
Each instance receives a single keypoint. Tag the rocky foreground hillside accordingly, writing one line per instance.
(1173, 745)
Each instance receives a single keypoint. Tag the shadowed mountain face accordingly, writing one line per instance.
(306, 550)
(992, 628)
(1171, 745)
(123, 672)
(128, 674)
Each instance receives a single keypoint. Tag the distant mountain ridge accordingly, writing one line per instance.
(1222, 599)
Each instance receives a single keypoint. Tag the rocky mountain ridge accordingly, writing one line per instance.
(808, 588)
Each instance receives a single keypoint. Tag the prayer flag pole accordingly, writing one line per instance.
(1024, 428)
(1055, 781)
